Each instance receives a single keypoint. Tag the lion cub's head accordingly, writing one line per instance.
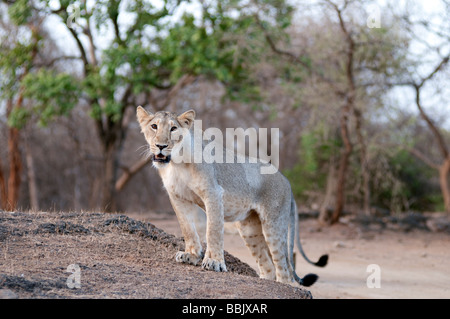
(163, 132)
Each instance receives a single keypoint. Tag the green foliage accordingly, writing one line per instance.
(416, 181)
(54, 94)
(13, 61)
(100, 88)
(19, 117)
(20, 11)
(152, 51)
(225, 44)
(193, 49)
(310, 173)
(405, 183)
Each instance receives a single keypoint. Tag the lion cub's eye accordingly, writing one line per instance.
(174, 128)
(154, 126)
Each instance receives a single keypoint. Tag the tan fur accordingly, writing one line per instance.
(261, 205)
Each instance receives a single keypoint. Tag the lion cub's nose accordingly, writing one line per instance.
(161, 146)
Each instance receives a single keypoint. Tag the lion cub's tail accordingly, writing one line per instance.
(309, 279)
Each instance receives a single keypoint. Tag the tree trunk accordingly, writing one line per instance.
(15, 169)
(325, 210)
(32, 186)
(444, 174)
(3, 189)
(95, 194)
(15, 161)
(12, 189)
(346, 111)
(343, 166)
(363, 162)
(109, 180)
(444, 169)
(111, 137)
(77, 205)
(77, 162)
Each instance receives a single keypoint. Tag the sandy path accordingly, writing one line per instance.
(412, 265)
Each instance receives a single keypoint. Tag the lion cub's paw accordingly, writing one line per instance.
(187, 258)
(212, 264)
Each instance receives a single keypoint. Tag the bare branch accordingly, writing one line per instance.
(92, 48)
(431, 125)
(277, 50)
(57, 59)
(182, 82)
(129, 173)
(81, 48)
(423, 158)
(296, 58)
(114, 15)
(417, 87)
(440, 66)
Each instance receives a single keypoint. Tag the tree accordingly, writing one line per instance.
(16, 61)
(152, 56)
(443, 168)
(433, 57)
(344, 63)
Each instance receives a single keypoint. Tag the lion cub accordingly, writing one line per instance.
(261, 205)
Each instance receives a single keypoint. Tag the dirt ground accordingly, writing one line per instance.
(127, 257)
(412, 264)
(96, 255)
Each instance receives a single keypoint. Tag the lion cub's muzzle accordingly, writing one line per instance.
(160, 157)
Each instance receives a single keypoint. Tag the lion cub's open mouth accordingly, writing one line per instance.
(160, 158)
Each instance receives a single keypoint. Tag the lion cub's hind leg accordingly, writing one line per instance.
(251, 232)
(275, 229)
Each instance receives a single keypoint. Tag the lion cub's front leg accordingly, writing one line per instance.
(193, 252)
(214, 257)
(188, 258)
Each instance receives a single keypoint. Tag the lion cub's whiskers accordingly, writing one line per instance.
(145, 151)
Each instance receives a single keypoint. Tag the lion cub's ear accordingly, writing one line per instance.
(143, 117)
(187, 119)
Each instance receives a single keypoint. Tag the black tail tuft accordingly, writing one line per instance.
(309, 279)
(322, 261)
